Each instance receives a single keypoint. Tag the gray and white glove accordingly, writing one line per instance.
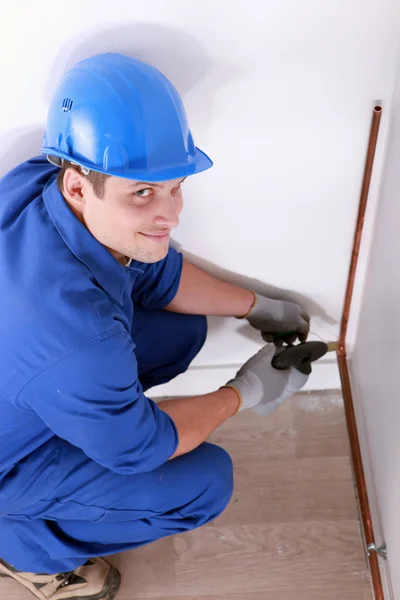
(274, 317)
(263, 388)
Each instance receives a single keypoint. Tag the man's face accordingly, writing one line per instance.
(132, 219)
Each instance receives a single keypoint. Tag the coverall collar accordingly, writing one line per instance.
(106, 269)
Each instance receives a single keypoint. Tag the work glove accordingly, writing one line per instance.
(263, 388)
(275, 318)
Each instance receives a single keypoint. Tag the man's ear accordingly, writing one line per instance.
(74, 186)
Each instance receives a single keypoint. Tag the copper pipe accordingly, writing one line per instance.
(373, 137)
(342, 360)
(359, 475)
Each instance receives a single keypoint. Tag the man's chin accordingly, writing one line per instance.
(150, 255)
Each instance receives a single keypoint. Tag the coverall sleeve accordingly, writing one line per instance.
(93, 399)
(159, 283)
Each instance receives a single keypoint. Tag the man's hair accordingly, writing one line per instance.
(96, 179)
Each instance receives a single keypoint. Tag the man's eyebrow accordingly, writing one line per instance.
(151, 183)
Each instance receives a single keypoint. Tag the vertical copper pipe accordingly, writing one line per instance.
(342, 360)
(373, 137)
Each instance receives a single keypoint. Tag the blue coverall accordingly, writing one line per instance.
(84, 454)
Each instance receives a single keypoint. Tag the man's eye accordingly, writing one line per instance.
(143, 193)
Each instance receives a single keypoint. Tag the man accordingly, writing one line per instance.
(95, 309)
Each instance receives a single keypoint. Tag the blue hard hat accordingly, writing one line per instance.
(120, 116)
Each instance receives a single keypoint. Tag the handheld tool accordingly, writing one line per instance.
(302, 355)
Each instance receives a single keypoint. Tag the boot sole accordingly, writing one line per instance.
(109, 591)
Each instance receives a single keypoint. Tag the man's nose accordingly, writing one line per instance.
(168, 213)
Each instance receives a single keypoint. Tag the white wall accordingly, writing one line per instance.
(279, 94)
(376, 358)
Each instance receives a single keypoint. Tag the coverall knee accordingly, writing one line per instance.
(93, 511)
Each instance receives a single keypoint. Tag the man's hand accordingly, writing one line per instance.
(257, 385)
(262, 387)
(200, 293)
(273, 317)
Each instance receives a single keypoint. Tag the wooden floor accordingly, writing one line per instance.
(291, 531)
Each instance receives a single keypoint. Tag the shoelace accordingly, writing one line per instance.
(67, 578)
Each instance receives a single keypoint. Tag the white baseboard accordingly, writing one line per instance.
(206, 378)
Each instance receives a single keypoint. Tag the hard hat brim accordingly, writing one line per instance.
(200, 162)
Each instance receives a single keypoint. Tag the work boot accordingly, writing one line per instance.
(95, 580)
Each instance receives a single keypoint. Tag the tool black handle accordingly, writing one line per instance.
(300, 356)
